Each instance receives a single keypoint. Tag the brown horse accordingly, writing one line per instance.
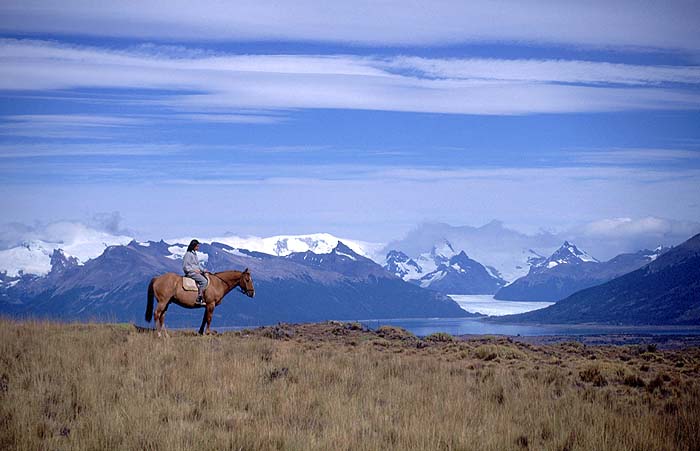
(168, 288)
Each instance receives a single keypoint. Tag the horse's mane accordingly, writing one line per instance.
(222, 274)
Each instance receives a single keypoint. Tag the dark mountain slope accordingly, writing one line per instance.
(569, 270)
(665, 291)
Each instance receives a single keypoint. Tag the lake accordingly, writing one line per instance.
(477, 326)
(487, 305)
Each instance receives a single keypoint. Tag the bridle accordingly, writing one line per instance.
(245, 291)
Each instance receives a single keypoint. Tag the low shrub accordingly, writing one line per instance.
(440, 337)
(491, 352)
(486, 352)
(592, 375)
(277, 373)
(655, 383)
(632, 380)
(395, 333)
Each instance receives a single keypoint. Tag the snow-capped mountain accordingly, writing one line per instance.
(413, 269)
(34, 256)
(568, 270)
(340, 259)
(402, 266)
(282, 245)
(445, 270)
(567, 254)
(61, 263)
(495, 246)
(462, 275)
(438, 255)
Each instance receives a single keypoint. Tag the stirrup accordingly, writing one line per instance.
(200, 301)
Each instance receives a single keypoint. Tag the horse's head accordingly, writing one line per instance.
(246, 283)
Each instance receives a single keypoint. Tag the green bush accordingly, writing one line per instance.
(440, 337)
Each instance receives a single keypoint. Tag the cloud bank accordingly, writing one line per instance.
(499, 244)
(371, 203)
(100, 228)
(671, 24)
(609, 237)
(28, 249)
(238, 87)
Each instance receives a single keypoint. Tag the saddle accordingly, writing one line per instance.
(189, 284)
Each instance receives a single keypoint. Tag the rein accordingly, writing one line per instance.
(227, 285)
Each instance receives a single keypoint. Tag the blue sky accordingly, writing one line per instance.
(360, 119)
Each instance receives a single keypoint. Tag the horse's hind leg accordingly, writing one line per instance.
(208, 315)
(162, 323)
(156, 319)
(159, 316)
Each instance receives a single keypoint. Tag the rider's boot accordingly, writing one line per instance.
(200, 299)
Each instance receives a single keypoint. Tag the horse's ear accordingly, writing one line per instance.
(246, 271)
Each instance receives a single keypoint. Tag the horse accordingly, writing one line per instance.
(168, 288)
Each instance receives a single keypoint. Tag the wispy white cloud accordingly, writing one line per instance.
(81, 120)
(32, 150)
(671, 24)
(608, 237)
(102, 127)
(66, 232)
(570, 174)
(229, 84)
(650, 225)
(546, 71)
(65, 125)
(632, 156)
(230, 118)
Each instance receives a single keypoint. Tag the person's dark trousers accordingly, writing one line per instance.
(202, 282)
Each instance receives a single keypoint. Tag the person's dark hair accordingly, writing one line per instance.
(192, 245)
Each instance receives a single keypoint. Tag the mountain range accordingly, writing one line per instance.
(317, 277)
(445, 270)
(510, 251)
(569, 270)
(33, 256)
(664, 291)
(493, 245)
(296, 287)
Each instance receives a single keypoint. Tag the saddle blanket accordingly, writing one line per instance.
(189, 284)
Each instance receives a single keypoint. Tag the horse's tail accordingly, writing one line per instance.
(149, 302)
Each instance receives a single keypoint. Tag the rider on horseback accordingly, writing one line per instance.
(192, 269)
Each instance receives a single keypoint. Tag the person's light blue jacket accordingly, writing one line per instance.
(190, 262)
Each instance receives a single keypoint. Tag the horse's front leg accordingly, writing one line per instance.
(209, 315)
(204, 322)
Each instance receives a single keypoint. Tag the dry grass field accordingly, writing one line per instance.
(336, 386)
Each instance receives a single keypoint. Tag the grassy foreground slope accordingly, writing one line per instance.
(336, 386)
